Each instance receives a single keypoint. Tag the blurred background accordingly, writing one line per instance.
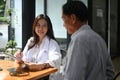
(16, 18)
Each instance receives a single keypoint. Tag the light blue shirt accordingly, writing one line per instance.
(87, 57)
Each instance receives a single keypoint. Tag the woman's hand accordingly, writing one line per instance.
(18, 55)
(34, 66)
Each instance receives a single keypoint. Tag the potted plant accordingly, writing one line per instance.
(11, 47)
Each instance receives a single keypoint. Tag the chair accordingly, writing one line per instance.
(63, 61)
(116, 76)
(63, 53)
(2, 56)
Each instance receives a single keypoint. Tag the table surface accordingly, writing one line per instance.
(4, 74)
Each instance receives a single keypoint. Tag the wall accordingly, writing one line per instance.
(54, 10)
(17, 22)
(39, 7)
(4, 37)
(114, 26)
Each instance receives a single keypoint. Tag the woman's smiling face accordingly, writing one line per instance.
(41, 28)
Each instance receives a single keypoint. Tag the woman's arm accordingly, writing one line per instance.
(54, 54)
(36, 67)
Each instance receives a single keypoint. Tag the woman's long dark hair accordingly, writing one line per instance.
(50, 32)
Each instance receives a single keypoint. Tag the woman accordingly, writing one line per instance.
(41, 51)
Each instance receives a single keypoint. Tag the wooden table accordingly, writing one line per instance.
(4, 74)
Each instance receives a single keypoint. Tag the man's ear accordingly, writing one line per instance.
(73, 17)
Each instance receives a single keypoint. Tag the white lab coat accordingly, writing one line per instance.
(47, 52)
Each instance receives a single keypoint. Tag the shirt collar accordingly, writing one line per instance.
(83, 27)
(45, 43)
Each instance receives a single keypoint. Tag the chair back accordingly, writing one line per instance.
(116, 76)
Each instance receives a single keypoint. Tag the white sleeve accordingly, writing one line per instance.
(54, 54)
(29, 43)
